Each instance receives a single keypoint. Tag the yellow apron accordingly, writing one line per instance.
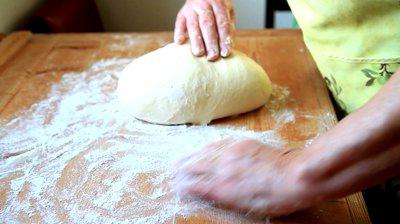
(355, 43)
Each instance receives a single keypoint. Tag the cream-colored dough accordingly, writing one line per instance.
(171, 86)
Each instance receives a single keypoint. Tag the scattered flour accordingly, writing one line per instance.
(277, 105)
(76, 157)
(284, 116)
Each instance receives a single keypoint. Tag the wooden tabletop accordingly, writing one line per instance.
(26, 59)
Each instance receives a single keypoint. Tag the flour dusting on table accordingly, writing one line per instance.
(277, 105)
(76, 157)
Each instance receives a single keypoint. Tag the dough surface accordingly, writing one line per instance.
(171, 86)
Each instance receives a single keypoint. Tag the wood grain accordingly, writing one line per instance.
(12, 44)
(30, 64)
(357, 208)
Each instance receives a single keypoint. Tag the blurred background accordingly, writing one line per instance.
(48, 16)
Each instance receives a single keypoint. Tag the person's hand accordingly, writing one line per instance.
(352, 156)
(209, 24)
(244, 175)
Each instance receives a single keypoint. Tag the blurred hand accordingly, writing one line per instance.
(244, 175)
(252, 177)
(209, 24)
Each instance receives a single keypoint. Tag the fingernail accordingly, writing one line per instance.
(211, 54)
(225, 53)
(179, 39)
(197, 51)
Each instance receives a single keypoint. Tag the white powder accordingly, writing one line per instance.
(284, 115)
(76, 157)
(277, 105)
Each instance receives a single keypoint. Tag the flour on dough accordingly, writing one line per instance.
(171, 86)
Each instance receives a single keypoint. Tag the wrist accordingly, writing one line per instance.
(306, 190)
(291, 188)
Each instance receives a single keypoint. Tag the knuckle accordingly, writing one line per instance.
(204, 9)
(224, 24)
(201, 5)
(205, 4)
(207, 22)
(219, 3)
(205, 12)
(222, 8)
(192, 23)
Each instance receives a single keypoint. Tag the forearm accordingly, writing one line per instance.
(362, 150)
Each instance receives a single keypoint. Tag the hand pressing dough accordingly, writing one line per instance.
(171, 86)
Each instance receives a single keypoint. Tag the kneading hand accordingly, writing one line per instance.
(245, 175)
(209, 24)
(362, 150)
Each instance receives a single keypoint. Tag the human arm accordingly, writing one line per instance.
(362, 150)
(209, 25)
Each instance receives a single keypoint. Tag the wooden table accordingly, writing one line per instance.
(25, 59)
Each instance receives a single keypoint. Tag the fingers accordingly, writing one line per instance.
(208, 29)
(196, 40)
(198, 169)
(221, 192)
(209, 25)
(207, 150)
(180, 33)
(225, 28)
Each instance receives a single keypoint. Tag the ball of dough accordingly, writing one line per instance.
(171, 86)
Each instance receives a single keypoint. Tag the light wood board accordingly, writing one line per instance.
(26, 59)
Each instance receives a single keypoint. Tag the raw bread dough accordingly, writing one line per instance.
(171, 86)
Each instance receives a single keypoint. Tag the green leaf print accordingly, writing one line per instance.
(371, 75)
(376, 66)
(336, 90)
(379, 73)
(370, 82)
